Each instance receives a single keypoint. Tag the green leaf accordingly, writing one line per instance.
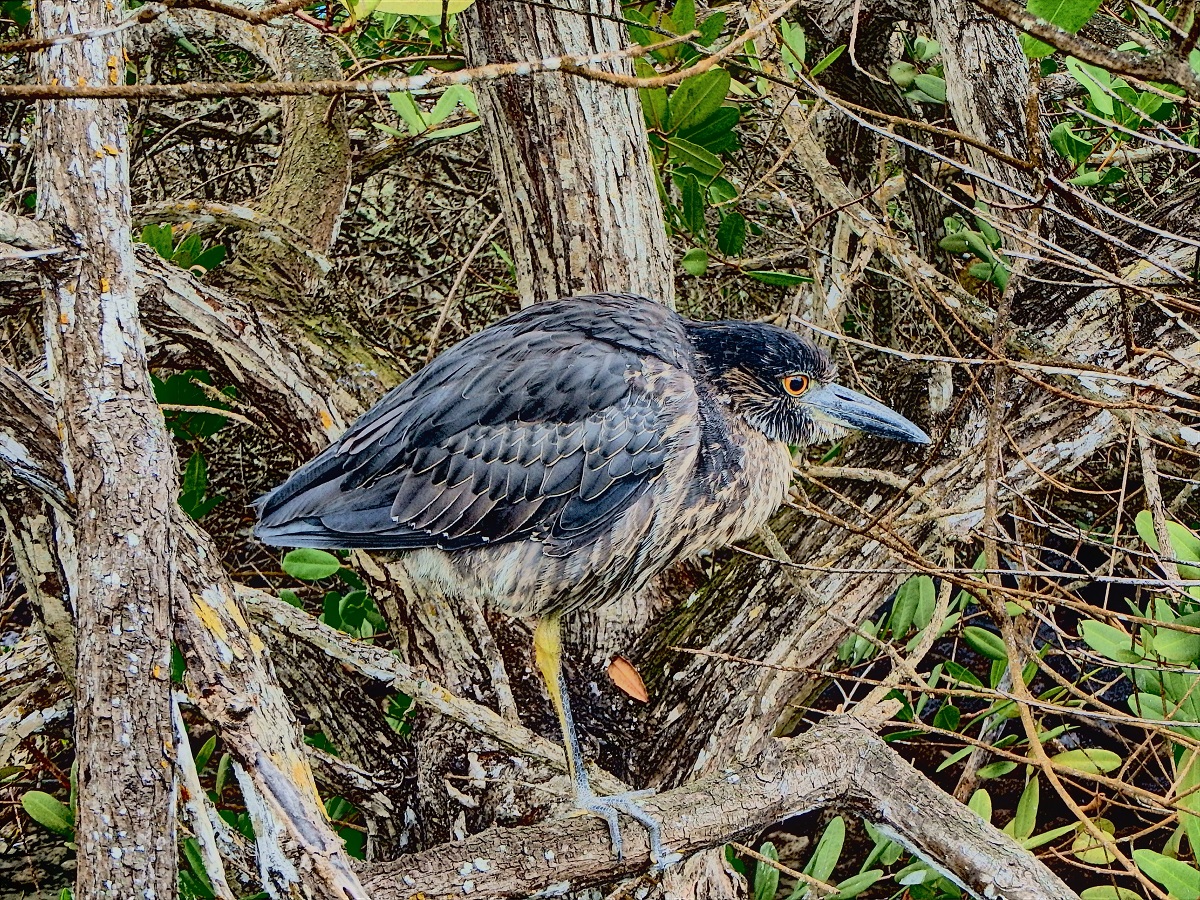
(684, 15)
(766, 877)
(1092, 760)
(210, 258)
(654, 100)
(455, 130)
(1027, 809)
(195, 474)
(1047, 836)
(697, 98)
(1108, 892)
(1187, 793)
(828, 851)
(1069, 15)
(925, 49)
(408, 111)
(716, 133)
(904, 609)
(308, 564)
(961, 674)
(205, 753)
(684, 153)
(986, 643)
(1096, 851)
(1070, 145)
(903, 74)
(981, 804)
(932, 85)
(720, 191)
(224, 767)
(856, 884)
(1185, 545)
(291, 597)
(710, 28)
(794, 48)
(1095, 177)
(1093, 79)
(161, 239)
(828, 61)
(49, 812)
(189, 248)
(195, 861)
(993, 272)
(331, 608)
(955, 243)
(779, 279)
(183, 389)
(948, 716)
(693, 206)
(996, 769)
(639, 34)
(1178, 646)
(1179, 878)
(1111, 643)
(731, 236)
(695, 261)
(449, 101)
(956, 756)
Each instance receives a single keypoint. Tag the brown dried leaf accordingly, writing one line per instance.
(626, 677)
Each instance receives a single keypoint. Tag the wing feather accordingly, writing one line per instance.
(546, 425)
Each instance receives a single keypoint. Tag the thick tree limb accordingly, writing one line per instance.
(838, 763)
(231, 681)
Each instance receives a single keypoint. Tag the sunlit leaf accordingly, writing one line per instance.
(1093, 761)
(308, 564)
(697, 98)
(1111, 643)
(695, 261)
(49, 812)
(1069, 15)
(1027, 809)
(985, 642)
(1178, 877)
(779, 279)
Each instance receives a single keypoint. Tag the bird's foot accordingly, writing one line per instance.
(607, 808)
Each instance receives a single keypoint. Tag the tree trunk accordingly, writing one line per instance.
(122, 471)
(571, 156)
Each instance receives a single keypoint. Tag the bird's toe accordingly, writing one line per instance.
(607, 808)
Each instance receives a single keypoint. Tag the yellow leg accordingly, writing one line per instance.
(547, 652)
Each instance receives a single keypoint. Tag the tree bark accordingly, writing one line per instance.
(121, 469)
(838, 764)
(571, 156)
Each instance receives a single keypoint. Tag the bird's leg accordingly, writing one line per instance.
(547, 646)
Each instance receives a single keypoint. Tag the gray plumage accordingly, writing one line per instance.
(572, 451)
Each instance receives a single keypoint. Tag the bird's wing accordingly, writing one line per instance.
(549, 425)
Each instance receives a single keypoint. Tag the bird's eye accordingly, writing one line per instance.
(795, 384)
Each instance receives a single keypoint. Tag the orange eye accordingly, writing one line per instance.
(795, 384)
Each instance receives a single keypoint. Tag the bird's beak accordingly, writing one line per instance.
(841, 406)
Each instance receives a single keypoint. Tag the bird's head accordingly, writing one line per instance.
(782, 385)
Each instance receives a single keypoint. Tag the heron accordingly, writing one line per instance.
(565, 456)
